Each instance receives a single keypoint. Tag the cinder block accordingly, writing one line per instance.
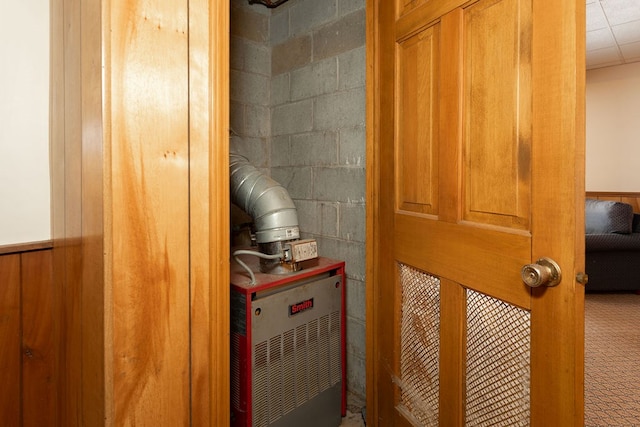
(352, 146)
(356, 299)
(307, 216)
(246, 22)
(356, 333)
(352, 222)
(352, 253)
(317, 148)
(254, 149)
(236, 53)
(236, 118)
(347, 6)
(291, 54)
(339, 110)
(341, 184)
(356, 374)
(292, 118)
(308, 14)
(297, 181)
(257, 58)
(280, 89)
(328, 214)
(280, 151)
(257, 121)
(279, 26)
(351, 69)
(339, 36)
(315, 79)
(249, 88)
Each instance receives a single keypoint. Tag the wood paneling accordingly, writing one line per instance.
(373, 190)
(140, 194)
(27, 342)
(218, 352)
(38, 341)
(200, 114)
(626, 197)
(147, 73)
(24, 247)
(10, 340)
(91, 248)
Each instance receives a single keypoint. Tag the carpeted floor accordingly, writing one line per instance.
(612, 360)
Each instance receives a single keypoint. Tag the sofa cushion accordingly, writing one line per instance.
(611, 242)
(603, 216)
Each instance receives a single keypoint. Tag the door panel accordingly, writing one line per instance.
(497, 123)
(417, 115)
(467, 180)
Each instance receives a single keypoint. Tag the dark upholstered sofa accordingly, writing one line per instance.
(612, 244)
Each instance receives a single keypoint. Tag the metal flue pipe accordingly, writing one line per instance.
(265, 200)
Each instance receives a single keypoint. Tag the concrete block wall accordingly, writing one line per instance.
(250, 81)
(314, 141)
(318, 139)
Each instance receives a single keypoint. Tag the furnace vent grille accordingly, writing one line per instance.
(292, 367)
(235, 370)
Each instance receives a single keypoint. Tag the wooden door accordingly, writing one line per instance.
(476, 168)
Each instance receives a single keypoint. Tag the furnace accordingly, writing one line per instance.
(287, 345)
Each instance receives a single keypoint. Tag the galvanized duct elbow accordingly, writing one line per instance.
(267, 202)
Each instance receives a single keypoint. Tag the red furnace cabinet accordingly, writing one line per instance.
(288, 346)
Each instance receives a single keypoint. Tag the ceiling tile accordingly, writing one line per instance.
(613, 32)
(599, 39)
(621, 11)
(627, 33)
(595, 17)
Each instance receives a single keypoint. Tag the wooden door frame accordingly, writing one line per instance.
(567, 116)
(373, 206)
(84, 371)
(218, 207)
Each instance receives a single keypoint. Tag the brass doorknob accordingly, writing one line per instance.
(545, 272)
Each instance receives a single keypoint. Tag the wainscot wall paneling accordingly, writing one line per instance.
(27, 343)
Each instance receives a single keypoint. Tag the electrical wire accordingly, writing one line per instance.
(254, 253)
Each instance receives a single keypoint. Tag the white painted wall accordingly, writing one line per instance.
(24, 121)
(613, 128)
